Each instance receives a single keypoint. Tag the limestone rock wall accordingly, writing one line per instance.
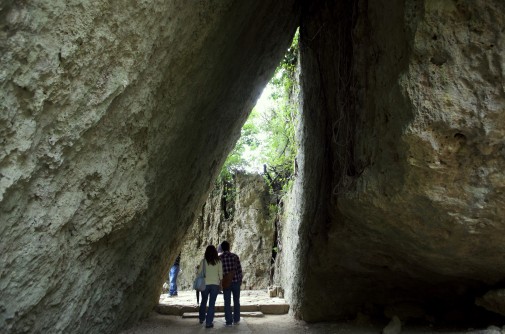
(250, 231)
(288, 271)
(114, 119)
(291, 208)
(411, 97)
(116, 116)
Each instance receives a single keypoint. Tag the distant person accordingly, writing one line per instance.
(212, 269)
(174, 272)
(198, 293)
(231, 266)
(219, 252)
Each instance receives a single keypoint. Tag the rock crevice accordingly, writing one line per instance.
(114, 121)
(116, 117)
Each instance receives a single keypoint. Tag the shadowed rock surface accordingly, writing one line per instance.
(403, 102)
(115, 118)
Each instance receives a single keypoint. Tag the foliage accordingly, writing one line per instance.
(228, 199)
(236, 160)
(269, 136)
(280, 122)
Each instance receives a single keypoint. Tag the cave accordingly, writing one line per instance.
(116, 117)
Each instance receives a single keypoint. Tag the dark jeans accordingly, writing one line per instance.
(228, 315)
(211, 290)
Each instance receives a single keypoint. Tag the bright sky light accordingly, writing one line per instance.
(253, 157)
(265, 102)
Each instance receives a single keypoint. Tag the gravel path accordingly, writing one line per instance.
(283, 324)
(247, 297)
(164, 324)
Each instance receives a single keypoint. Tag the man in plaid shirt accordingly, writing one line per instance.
(231, 262)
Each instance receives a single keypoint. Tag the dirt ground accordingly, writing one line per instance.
(247, 297)
(284, 324)
(164, 324)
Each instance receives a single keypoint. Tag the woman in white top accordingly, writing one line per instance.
(213, 276)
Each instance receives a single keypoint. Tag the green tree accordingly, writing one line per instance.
(236, 161)
(270, 136)
(280, 122)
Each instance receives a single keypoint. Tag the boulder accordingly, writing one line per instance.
(393, 327)
(493, 300)
(115, 119)
(402, 154)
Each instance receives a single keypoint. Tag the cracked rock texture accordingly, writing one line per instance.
(411, 98)
(493, 300)
(114, 119)
(116, 116)
(249, 229)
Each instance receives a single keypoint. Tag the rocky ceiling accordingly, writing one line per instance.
(115, 118)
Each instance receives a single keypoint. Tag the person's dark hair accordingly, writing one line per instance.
(225, 246)
(211, 255)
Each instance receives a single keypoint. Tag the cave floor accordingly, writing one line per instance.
(250, 301)
(163, 324)
(170, 320)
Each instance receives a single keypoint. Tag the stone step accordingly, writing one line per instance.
(263, 308)
(221, 314)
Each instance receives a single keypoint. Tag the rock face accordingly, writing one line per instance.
(115, 117)
(493, 300)
(249, 229)
(404, 147)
